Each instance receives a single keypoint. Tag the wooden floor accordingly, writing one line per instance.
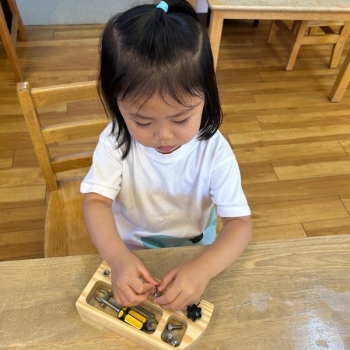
(292, 144)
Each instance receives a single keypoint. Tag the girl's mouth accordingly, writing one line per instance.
(166, 149)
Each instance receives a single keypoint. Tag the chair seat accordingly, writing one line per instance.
(65, 231)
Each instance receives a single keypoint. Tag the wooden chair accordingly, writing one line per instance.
(342, 81)
(9, 37)
(65, 232)
(307, 33)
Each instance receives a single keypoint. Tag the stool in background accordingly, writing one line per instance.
(9, 36)
(307, 33)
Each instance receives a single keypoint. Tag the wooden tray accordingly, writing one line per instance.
(88, 307)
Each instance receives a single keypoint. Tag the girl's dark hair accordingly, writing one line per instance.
(146, 51)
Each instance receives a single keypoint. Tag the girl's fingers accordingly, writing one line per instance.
(180, 302)
(166, 280)
(169, 297)
(130, 298)
(141, 287)
(134, 293)
(148, 278)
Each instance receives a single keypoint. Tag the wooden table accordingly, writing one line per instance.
(272, 9)
(288, 294)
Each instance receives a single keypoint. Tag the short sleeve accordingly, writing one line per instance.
(105, 174)
(226, 189)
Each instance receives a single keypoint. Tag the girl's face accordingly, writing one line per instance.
(162, 123)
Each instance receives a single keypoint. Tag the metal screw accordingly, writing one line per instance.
(169, 337)
(106, 273)
(174, 326)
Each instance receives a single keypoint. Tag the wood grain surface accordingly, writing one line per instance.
(286, 294)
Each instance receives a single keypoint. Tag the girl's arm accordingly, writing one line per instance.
(131, 282)
(189, 279)
(229, 245)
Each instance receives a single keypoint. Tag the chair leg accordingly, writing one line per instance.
(339, 46)
(300, 32)
(313, 30)
(9, 47)
(295, 27)
(342, 81)
(15, 11)
(297, 36)
(272, 32)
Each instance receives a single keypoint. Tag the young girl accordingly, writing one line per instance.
(161, 165)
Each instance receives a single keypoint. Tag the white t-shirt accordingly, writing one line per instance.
(162, 200)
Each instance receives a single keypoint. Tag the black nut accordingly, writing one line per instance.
(194, 312)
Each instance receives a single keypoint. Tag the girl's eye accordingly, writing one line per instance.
(142, 125)
(182, 122)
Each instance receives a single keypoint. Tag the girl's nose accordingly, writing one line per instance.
(164, 133)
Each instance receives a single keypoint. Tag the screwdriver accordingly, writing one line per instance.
(132, 317)
(125, 314)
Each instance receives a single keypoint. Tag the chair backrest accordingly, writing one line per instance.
(37, 99)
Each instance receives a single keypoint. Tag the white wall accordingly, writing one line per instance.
(202, 6)
(72, 11)
(41, 12)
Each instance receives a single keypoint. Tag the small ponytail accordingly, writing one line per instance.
(163, 5)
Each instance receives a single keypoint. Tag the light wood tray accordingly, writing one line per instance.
(88, 307)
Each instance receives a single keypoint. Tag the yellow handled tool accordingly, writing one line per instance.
(132, 317)
(127, 314)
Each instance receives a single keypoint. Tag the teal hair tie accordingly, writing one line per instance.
(163, 5)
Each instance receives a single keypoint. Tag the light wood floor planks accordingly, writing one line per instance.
(292, 144)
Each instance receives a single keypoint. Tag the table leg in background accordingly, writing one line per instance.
(215, 31)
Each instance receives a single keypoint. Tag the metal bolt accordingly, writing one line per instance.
(156, 293)
(106, 273)
(169, 338)
(174, 326)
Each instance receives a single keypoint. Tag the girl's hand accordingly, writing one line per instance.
(188, 281)
(131, 281)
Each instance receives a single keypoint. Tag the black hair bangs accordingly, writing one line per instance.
(140, 83)
(146, 52)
